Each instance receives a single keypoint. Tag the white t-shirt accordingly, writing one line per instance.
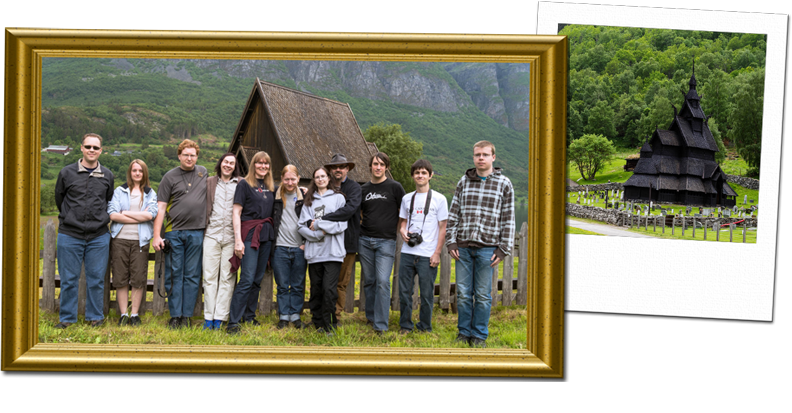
(438, 211)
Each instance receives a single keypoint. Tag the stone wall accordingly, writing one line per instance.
(596, 187)
(621, 218)
(749, 183)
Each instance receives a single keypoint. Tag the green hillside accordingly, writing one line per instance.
(156, 102)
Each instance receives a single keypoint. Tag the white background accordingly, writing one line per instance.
(615, 368)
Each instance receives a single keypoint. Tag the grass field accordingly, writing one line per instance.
(507, 329)
(750, 236)
(573, 230)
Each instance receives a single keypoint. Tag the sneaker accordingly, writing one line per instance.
(62, 325)
(477, 342)
(232, 329)
(217, 324)
(174, 323)
(208, 325)
(461, 338)
(297, 324)
(97, 323)
(282, 324)
(135, 320)
(124, 320)
(330, 333)
(186, 322)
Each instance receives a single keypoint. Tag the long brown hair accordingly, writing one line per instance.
(332, 183)
(144, 181)
(251, 175)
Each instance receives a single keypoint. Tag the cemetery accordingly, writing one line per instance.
(737, 223)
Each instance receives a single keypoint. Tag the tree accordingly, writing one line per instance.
(746, 117)
(589, 154)
(401, 149)
(600, 120)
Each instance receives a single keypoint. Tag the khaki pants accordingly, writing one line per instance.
(218, 283)
(343, 280)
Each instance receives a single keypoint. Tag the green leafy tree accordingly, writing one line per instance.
(589, 154)
(402, 150)
(746, 117)
(600, 120)
(48, 199)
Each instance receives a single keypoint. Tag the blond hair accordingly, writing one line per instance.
(485, 144)
(286, 169)
(251, 175)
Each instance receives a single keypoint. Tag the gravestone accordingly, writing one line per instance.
(751, 201)
(745, 199)
(727, 213)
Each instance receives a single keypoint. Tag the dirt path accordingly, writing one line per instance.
(604, 229)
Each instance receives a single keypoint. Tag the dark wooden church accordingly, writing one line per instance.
(301, 129)
(678, 165)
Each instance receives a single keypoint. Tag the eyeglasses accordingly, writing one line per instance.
(96, 148)
(334, 167)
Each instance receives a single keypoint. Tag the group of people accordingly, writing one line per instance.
(216, 226)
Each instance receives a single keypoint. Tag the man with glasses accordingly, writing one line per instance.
(82, 192)
(350, 212)
(182, 198)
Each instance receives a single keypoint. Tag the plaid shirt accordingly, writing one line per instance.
(482, 212)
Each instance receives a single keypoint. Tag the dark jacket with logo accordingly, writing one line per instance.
(350, 213)
(82, 199)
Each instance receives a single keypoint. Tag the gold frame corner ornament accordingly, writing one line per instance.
(543, 356)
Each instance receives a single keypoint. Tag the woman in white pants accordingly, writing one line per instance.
(218, 244)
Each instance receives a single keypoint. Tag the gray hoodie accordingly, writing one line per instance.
(327, 246)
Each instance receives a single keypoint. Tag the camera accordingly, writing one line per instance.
(166, 247)
(414, 239)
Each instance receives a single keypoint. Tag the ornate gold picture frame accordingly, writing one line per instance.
(543, 356)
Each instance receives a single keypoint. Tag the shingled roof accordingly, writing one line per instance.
(305, 129)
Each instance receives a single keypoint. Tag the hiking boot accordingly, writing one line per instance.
(297, 324)
(124, 320)
(232, 329)
(186, 322)
(174, 323)
(477, 342)
(134, 320)
(282, 324)
(208, 325)
(62, 325)
(461, 338)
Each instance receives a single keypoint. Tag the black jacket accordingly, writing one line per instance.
(82, 199)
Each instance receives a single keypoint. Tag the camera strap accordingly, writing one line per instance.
(426, 209)
(166, 261)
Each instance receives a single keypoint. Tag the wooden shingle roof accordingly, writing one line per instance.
(310, 129)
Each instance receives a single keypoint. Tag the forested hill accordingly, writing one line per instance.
(623, 82)
(446, 106)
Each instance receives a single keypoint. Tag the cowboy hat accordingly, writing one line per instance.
(340, 159)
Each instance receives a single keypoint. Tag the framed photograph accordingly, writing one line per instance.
(544, 189)
(731, 273)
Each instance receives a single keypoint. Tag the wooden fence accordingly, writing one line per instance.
(691, 224)
(515, 291)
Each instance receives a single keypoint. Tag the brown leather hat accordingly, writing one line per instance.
(339, 159)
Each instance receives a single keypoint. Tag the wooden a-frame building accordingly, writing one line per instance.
(301, 129)
(678, 165)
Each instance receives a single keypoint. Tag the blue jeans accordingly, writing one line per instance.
(474, 290)
(289, 266)
(246, 293)
(184, 271)
(409, 266)
(72, 253)
(376, 266)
